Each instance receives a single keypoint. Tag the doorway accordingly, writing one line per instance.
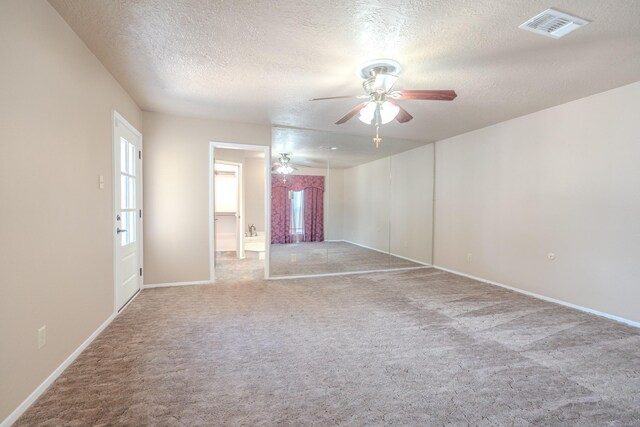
(127, 215)
(239, 180)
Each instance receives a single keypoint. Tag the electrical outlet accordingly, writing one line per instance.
(293, 258)
(469, 258)
(42, 336)
(551, 256)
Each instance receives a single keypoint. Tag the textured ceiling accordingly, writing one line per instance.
(260, 61)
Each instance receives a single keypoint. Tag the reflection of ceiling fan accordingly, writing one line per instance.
(282, 166)
(381, 107)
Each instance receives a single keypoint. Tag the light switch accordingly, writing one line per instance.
(101, 182)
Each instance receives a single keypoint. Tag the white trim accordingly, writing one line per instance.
(240, 146)
(130, 300)
(212, 214)
(348, 273)
(267, 202)
(240, 218)
(383, 252)
(13, 417)
(267, 214)
(433, 205)
(170, 284)
(114, 223)
(545, 298)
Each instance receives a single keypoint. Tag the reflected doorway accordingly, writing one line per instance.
(239, 175)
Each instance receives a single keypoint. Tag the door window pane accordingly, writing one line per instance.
(123, 155)
(128, 203)
(124, 190)
(132, 159)
(131, 194)
(127, 157)
(128, 223)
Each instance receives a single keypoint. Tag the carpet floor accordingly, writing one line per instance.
(416, 347)
(330, 257)
(230, 269)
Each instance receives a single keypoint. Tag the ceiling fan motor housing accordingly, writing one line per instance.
(371, 68)
(368, 85)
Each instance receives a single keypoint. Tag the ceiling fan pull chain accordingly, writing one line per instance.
(377, 139)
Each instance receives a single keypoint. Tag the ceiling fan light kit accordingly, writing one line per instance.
(282, 166)
(383, 113)
(381, 108)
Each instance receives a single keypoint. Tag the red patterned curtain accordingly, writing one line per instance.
(280, 214)
(313, 214)
(313, 187)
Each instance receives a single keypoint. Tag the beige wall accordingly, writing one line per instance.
(334, 213)
(564, 180)
(366, 204)
(56, 229)
(388, 204)
(176, 192)
(254, 193)
(411, 204)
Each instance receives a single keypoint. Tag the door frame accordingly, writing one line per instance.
(267, 200)
(117, 117)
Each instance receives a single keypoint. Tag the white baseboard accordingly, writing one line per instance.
(347, 273)
(545, 298)
(166, 285)
(13, 417)
(387, 253)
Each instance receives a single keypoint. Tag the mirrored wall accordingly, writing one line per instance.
(339, 204)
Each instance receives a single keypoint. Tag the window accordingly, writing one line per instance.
(127, 192)
(297, 213)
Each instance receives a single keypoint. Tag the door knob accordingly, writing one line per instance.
(119, 230)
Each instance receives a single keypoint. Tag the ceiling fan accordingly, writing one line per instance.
(282, 166)
(381, 106)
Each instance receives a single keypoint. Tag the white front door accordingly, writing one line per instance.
(128, 215)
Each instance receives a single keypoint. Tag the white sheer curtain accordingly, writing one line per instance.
(297, 216)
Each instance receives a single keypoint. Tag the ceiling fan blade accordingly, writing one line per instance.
(338, 97)
(384, 82)
(351, 113)
(403, 115)
(431, 95)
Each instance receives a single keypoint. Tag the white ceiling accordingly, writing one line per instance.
(261, 61)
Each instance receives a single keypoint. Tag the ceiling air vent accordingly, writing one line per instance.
(553, 23)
